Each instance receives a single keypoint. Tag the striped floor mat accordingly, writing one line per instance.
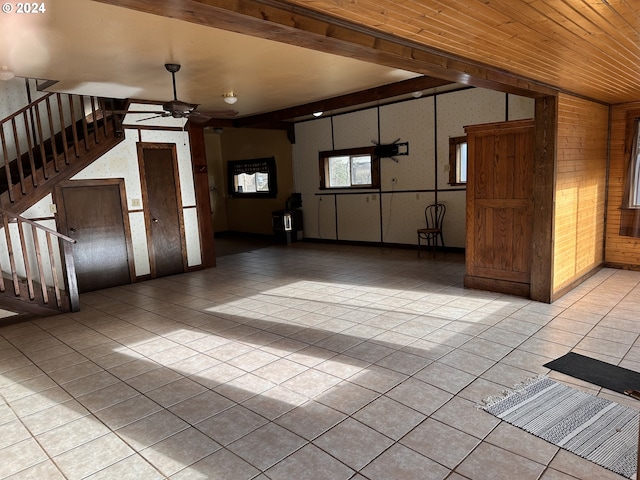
(599, 430)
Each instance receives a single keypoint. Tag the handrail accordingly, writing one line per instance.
(27, 108)
(37, 225)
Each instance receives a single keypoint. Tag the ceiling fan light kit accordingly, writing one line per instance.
(6, 74)
(230, 98)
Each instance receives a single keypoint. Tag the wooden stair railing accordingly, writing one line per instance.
(32, 267)
(45, 137)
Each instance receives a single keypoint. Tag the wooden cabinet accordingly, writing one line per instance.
(500, 188)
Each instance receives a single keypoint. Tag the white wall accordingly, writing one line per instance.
(393, 213)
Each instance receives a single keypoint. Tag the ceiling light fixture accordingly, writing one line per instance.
(417, 94)
(6, 74)
(317, 114)
(230, 98)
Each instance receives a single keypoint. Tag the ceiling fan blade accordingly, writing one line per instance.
(218, 113)
(198, 118)
(146, 111)
(126, 112)
(149, 118)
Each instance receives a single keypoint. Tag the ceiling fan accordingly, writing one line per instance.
(179, 109)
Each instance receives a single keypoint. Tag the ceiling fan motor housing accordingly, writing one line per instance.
(178, 109)
(172, 67)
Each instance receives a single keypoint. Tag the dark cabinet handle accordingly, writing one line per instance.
(72, 230)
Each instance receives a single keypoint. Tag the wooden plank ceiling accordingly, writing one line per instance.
(590, 48)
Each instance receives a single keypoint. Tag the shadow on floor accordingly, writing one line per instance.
(232, 243)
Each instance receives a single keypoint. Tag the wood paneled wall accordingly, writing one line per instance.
(580, 190)
(620, 251)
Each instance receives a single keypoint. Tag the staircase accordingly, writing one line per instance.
(49, 141)
(43, 144)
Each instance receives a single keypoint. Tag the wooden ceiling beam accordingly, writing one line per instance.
(280, 21)
(343, 101)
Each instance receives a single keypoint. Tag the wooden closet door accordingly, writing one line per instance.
(500, 206)
(94, 214)
(163, 208)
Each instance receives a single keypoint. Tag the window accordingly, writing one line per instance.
(630, 211)
(351, 168)
(458, 160)
(253, 178)
(633, 194)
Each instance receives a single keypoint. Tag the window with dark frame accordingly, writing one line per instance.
(458, 160)
(254, 178)
(349, 168)
(630, 209)
(633, 194)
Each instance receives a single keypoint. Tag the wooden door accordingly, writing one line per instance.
(91, 212)
(163, 208)
(500, 206)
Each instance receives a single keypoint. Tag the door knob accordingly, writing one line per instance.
(155, 220)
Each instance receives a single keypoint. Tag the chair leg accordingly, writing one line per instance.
(418, 246)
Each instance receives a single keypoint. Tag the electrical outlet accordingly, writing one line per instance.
(53, 208)
(135, 202)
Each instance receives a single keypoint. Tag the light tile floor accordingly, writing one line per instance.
(301, 362)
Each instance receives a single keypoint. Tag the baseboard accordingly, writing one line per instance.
(360, 243)
(500, 286)
(567, 288)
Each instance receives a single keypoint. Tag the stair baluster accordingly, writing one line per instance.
(12, 257)
(63, 130)
(52, 138)
(46, 276)
(32, 162)
(16, 138)
(74, 128)
(7, 168)
(41, 143)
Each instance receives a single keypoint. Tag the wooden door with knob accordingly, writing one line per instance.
(163, 208)
(93, 212)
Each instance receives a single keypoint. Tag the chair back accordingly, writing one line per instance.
(434, 215)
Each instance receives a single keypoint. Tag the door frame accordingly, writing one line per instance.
(141, 147)
(61, 216)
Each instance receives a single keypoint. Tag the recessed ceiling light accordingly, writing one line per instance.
(317, 114)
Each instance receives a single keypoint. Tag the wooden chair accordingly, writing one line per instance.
(433, 216)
